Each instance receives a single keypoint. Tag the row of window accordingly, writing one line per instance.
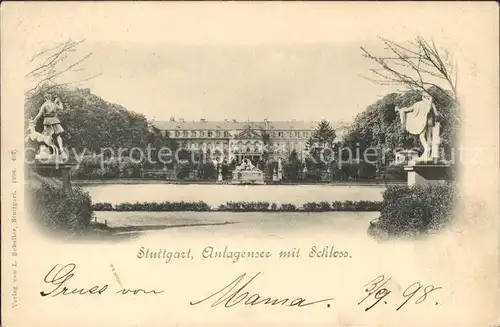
(226, 134)
(195, 133)
(254, 146)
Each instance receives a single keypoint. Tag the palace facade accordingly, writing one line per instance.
(230, 139)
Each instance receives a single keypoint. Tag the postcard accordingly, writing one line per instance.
(250, 164)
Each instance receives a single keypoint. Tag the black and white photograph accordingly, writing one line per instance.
(326, 157)
(324, 133)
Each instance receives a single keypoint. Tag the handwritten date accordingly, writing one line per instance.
(377, 291)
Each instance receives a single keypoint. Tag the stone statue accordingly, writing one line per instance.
(420, 119)
(246, 165)
(51, 124)
(218, 166)
(45, 141)
(280, 170)
(250, 165)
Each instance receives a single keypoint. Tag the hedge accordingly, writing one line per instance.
(415, 210)
(342, 206)
(242, 206)
(153, 206)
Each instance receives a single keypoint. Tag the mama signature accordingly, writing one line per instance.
(233, 294)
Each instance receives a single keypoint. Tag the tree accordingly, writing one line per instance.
(379, 129)
(92, 123)
(157, 141)
(417, 65)
(266, 141)
(292, 167)
(323, 136)
(50, 66)
(321, 145)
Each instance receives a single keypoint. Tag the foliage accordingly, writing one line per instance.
(313, 206)
(286, 207)
(225, 170)
(244, 206)
(207, 170)
(291, 169)
(322, 138)
(98, 167)
(241, 206)
(161, 206)
(102, 206)
(56, 209)
(379, 128)
(269, 168)
(94, 124)
(415, 210)
(342, 206)
(395, 172)
(266, 140)
(183, 170)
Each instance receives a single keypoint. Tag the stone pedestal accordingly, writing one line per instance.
(428, 173)
(48, 171)
(253, 176)
(405, 156)
(275, 175)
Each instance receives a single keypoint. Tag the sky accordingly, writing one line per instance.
(277, 82)
(279, 61)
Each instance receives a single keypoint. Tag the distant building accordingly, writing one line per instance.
(230, 139)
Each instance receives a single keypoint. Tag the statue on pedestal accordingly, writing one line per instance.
(247, 173)
(219, 176)
(420, 119)
(280, 170)
(246, 165)
(51, 127)
(218, 164)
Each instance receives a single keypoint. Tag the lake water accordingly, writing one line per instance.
(246, 224)
(219, 194)
(260, 224)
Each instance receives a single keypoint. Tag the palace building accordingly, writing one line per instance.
(231, 139)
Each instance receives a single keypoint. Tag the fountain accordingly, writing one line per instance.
(247, 173)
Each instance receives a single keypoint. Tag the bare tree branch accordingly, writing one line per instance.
(52, 65)
(417, 66)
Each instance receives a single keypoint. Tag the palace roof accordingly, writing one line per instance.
(235, 125)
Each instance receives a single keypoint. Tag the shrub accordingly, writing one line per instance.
(208, 171)
(337, 205)
(414, 210)
(313, 176)
(310, 206)
(98, 167)
(288, 207)
(162, 206)
(245, 206)
(324, 206)
(183, 171)
(396, 173)
(57, 209)
(356, 206)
